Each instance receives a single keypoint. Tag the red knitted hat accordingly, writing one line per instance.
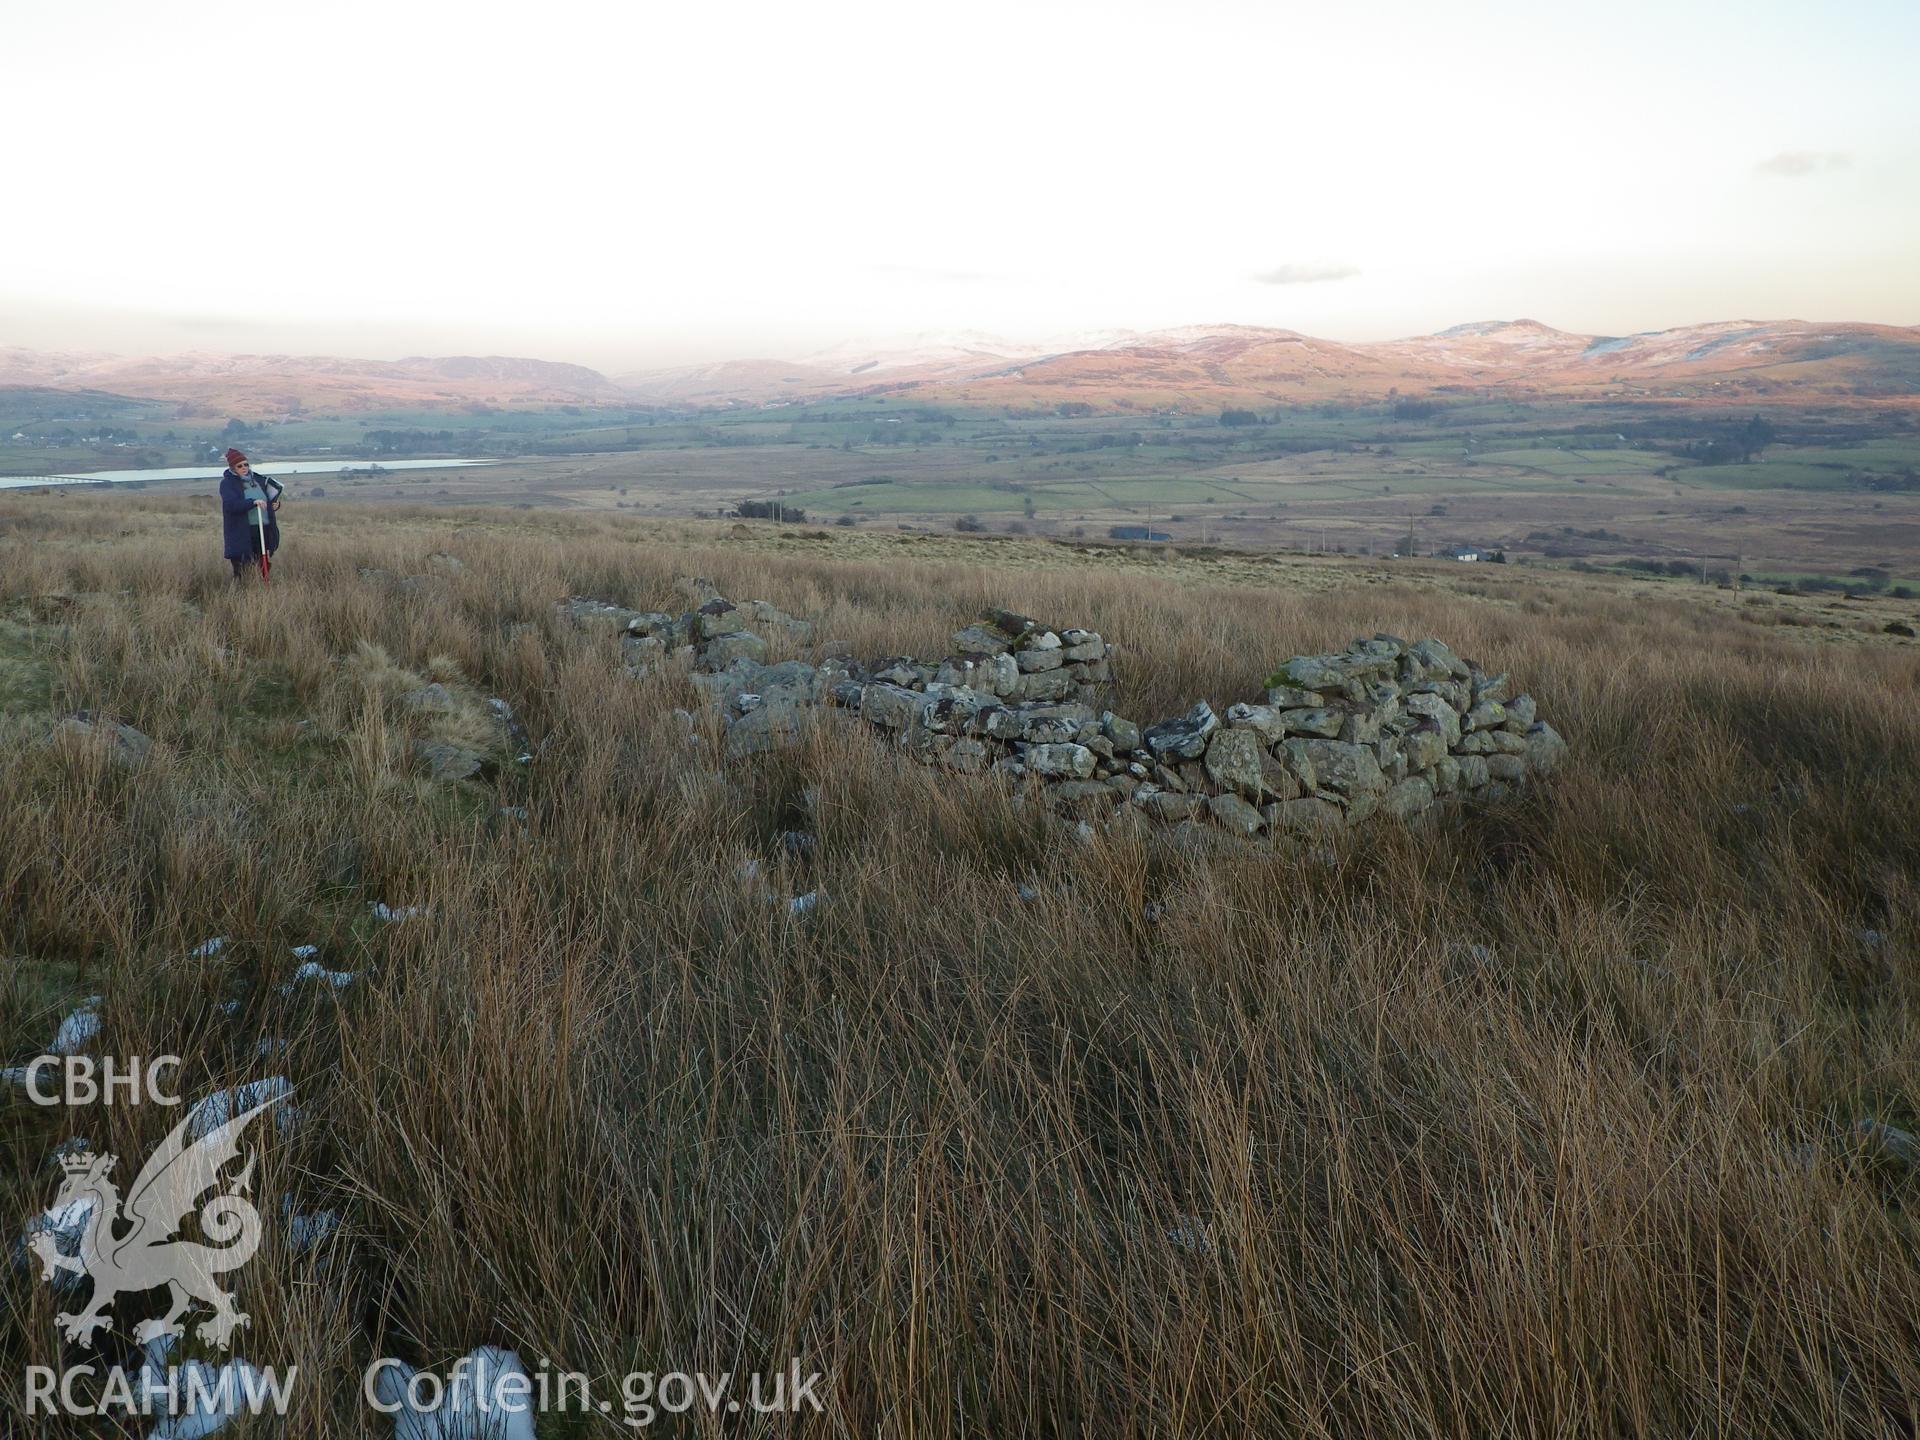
(234, 457)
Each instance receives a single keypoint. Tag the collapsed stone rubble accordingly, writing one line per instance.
(1386, 727)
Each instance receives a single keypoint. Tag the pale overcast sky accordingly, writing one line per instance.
(631, 184)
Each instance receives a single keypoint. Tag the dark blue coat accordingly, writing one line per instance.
(236, 511)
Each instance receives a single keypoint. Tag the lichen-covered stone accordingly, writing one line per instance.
(653, 622)
(1546, 750)
(766, 727)
(1063, 760)
(1349, 770)
(979, 640)
(1185, 738)
(1293, 754)
(1361, 727)
(1307, 815)
(718, 617)
(1168, 805)
(1439, 710)
(1011, 623)
(723, 650)
(1408, 798)
(1264, 720)
(1288, 697)
(1234, 814)
(1324, 723)
(1425, 747)
(642, 653)
(1454, 692)
(1084, 797)
(1233, 762)
(892, 707)
(967, 756)
(1495, 688)
(1510, 768)
(1033, 659)
(954, 709)
(1485, 715)
(1047, 685)
(1277, 780)
(1437, 660)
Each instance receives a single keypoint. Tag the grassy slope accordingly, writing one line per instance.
(1539, 1121)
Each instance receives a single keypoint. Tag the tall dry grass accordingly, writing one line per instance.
(1533, 1122)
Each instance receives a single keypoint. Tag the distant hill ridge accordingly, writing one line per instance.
(1197, 367)
(278, 384)
(1193, 367)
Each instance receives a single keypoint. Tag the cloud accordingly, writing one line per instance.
(1305, 274)
(1797, 164)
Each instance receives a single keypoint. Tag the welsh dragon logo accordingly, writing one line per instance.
(133, 1247)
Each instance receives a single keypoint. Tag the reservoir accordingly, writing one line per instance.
(272, 470)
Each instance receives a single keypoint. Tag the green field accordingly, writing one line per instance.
(1604, 482)
(1579, 463)
(1765, 475)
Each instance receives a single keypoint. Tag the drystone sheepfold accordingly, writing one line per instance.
(1385, 727)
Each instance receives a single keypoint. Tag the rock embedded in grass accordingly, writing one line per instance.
(215, 1110)
(1545, 748)
(445, 761)
(58, 1230)
(768, 726)
(126, 745)
(312, 971)
(434, 698)
(1889, 1142)
(487, 1393)
(80, 1028)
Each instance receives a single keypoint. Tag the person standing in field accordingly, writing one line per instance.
(241, 493)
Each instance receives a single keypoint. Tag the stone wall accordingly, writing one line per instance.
(1383, 727)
